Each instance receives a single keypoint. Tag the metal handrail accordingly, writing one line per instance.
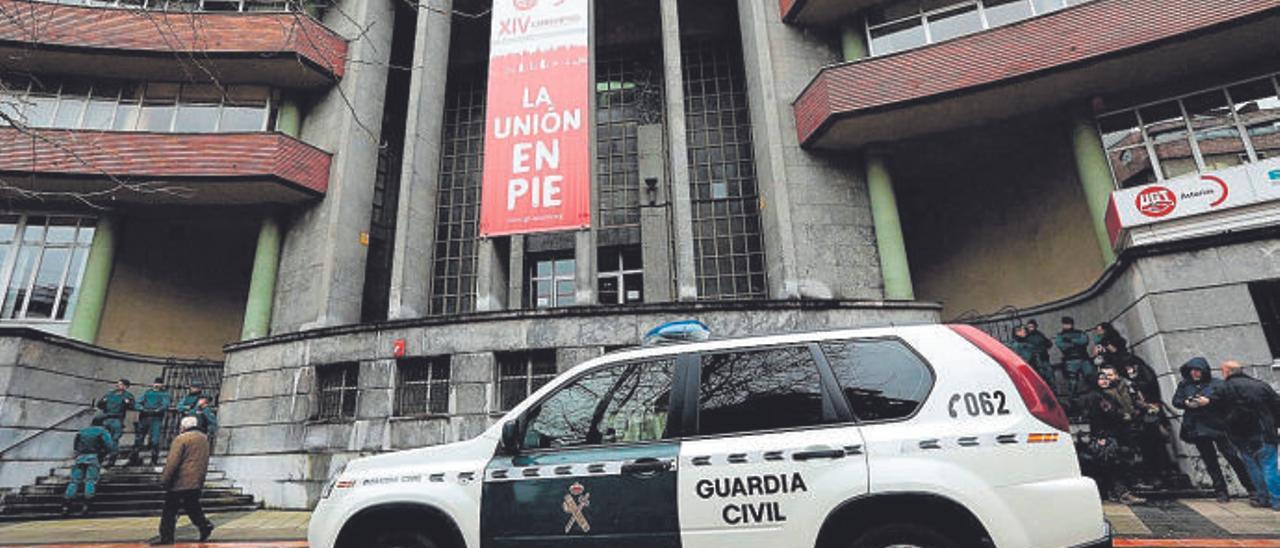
(46, 429)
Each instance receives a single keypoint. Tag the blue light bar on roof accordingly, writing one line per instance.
(675, 332)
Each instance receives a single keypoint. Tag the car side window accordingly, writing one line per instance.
(625, 403)
(883, 380)
(761, 389)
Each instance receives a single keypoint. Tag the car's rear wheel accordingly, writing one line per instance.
(903, 535)
(403, 538)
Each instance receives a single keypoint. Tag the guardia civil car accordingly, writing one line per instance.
(930, 436)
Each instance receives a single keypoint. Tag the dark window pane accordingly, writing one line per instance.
(882, 379)
(1167, 129)
(759, 390)
(1258, 108)
(616, 404)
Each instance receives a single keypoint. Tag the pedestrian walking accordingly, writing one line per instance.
(92, 444)
(1204, 425)
(114, 406)
(1074, 345)
(148, 430)
(183, 479)
(187, 407)
(1252, 411)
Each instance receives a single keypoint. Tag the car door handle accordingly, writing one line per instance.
(646, 467)
(814, 454)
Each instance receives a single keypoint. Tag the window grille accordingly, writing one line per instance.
(628, 95)
(522, 373)
(728, 250)
(423, 387)
(453, 282)
(339, 390)
(1266, 299)
(42, 260)
(192, 5)
(130, 106)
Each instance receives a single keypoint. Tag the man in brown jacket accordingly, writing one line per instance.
(183, 479)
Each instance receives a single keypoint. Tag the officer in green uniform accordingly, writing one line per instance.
(1074, 345)
(1041, 345)
(207, 417)
(187, 407)
(114, 406)
(148, 430)
(92, 444)
(1022, 347)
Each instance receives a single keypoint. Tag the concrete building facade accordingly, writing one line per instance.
(762, 166)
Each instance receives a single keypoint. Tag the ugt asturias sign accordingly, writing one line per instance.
(537, 166)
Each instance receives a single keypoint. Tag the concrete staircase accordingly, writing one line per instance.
(122, 491)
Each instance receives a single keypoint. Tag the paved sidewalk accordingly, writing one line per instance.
(1159, 524)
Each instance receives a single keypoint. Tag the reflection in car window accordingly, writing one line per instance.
(617, 404)
(882, 379)
(759, 390)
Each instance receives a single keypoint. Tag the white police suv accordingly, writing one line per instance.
(929, 436)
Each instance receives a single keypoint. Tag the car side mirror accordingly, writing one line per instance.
(511, 437)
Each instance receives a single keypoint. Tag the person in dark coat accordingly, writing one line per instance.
(149, 428)
(187, 406)
(114, 405)
(1030, 352)
(92, 444)
(1204, 425)
(1150, 425)
(1253, 408)
(1074, 345)
(1142, 377)
(1107, 451)
(183, 478)
(1108, 340)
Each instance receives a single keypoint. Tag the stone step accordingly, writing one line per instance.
(55, 506)
(106, 513)
(147, 493)
(121, 478)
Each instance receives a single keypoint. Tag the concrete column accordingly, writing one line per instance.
(262, 284)
(87, 316)
(853, 40)
(1095, 177)
(678, 154)
(492, 274)
(655, 218)
(515, 266)
(884, 211)
(584, 242)
(419, 179)
(289, 117)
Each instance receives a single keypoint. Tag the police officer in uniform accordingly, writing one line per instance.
(114, 406)
(187, 407)
(208, 419)
(92, 444)
(1074, 345)
(148, 430)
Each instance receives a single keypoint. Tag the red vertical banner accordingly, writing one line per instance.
(537, 154)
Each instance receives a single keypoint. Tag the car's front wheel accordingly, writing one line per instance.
(403, 538)
(903, 535)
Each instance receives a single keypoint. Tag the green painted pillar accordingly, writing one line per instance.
(262, 284)
(87, 316)
(884, 213)
(1095, 177)
(853, 40)
(289, 118)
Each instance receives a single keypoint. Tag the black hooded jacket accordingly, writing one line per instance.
(1198, 423)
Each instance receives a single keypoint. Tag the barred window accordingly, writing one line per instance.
(522, 373)
(552, 280)
(193, 5)
(42, 260)
(628, 95)
(423, 386)
(453, 282)
(728, 250)
(339, 389)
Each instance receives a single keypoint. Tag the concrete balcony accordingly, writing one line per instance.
(1098, 49)
(163, 168)
(279, 49)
